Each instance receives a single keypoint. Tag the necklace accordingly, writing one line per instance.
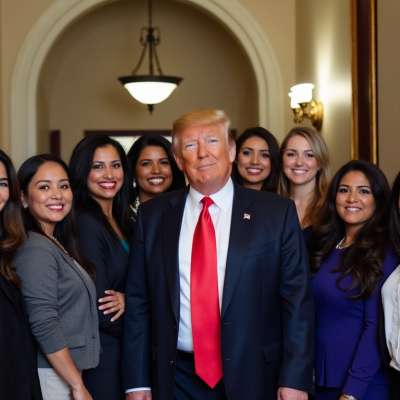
(339, 245)
(61, 247)
(135, 206)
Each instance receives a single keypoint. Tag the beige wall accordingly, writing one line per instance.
(388, 13)
(290, 26)
(241, 99)
(323, 58)
(79, 89)
(277, 18)
(16, 19)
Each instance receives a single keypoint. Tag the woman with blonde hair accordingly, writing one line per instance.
(305, 173)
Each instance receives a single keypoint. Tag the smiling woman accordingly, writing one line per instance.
(305, 173)
(100, 180)
(57, 283)
(350, 258)
(48, 196)
(153, 168)
(257, 165)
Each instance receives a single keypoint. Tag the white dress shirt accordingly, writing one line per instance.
(221, 213)
(390, 299)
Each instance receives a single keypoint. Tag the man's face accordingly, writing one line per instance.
(204, 155)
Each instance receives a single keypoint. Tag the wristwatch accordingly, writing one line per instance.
(348, 397)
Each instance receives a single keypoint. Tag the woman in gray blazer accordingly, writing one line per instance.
(57, 285)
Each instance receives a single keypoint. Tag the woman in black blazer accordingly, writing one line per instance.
(100, 183)
(18, 369)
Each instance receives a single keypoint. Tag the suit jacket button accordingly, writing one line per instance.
(172, 362)
(14, 332)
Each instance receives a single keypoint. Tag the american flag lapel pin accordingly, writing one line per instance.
(246, 216)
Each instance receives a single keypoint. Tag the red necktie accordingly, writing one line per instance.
(204, 300)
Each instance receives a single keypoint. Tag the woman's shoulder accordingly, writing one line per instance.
(37, 253)
(86, 222)
(87, 217)
(34, 239)
(92, 234)
(38, 245)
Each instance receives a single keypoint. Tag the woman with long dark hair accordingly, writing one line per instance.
(57, 281)
(154, 169)
(350, 258)
(390, 297)
(257, 164)
(101, 183)
(18, 370)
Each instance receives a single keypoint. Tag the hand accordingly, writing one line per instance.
(285, 393)
(114, 302)
(139, 395)
(81, 393)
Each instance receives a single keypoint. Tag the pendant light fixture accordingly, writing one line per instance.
(150, 89)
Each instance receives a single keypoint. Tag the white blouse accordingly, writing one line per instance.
(391, 307)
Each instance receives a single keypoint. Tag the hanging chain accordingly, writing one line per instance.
(149, 39)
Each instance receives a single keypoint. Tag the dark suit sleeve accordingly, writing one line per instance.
(95, 243)
(297, 307)
(136, 347)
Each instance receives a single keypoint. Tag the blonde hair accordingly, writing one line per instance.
(321, 154)
(198, 118)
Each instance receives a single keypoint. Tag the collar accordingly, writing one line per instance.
(222, 198)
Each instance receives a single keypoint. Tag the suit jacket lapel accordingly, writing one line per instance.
(241, 228)
(85, 278)
(171, 227)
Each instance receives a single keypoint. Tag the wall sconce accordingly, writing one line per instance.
(150, 89)
(304, 106)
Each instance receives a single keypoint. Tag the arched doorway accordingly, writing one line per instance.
(61, 13)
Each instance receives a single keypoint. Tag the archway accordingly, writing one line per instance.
(61, 13)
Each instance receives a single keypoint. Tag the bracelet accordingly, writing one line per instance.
(348, 397)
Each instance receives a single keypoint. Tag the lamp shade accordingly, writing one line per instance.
(150, 89)
(302, 93)
(293, 102)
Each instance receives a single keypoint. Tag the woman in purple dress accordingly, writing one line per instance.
(350, 259)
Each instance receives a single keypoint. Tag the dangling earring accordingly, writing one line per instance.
(134, 183)
(24, 205)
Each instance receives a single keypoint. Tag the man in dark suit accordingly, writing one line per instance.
(265, 338)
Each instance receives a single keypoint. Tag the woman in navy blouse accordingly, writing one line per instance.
(350, 259)
(101, 185)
